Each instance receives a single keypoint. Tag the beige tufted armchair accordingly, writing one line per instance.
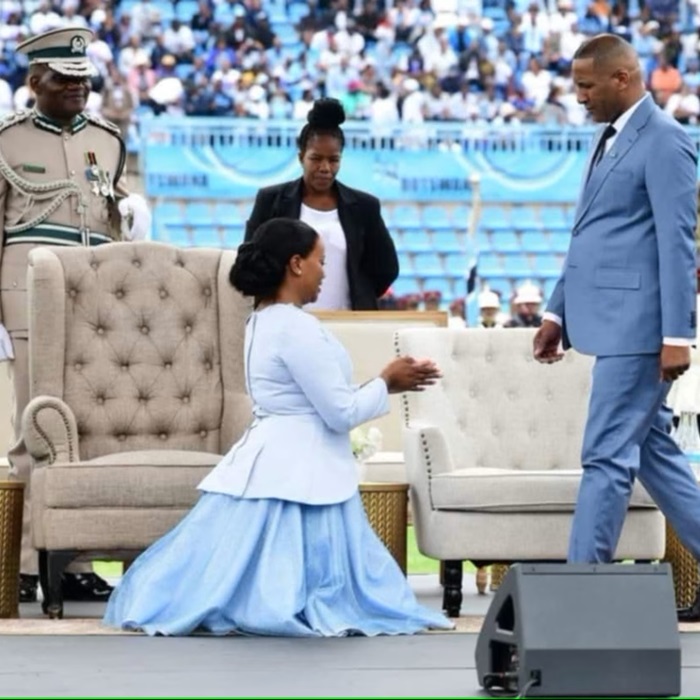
(136, 364)
(493, 455)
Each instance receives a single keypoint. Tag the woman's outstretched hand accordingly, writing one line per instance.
(409, 374)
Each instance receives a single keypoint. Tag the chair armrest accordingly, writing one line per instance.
(50, 431)
(426, 451)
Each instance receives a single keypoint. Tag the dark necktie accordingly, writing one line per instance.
(609, 132)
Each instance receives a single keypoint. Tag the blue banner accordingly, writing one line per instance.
(232, 159)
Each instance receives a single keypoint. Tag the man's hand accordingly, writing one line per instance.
(545, 346)
(136, 218)
(675, 359)
(6, 350)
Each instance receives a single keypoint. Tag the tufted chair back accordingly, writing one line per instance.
(138, 388)
(144, 342)
(496, 406)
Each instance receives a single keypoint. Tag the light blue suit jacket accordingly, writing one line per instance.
(298, 447)
(629, 276)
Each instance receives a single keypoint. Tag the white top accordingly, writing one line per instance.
(335, 290)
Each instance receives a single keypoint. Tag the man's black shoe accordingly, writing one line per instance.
(27, 588)
(85, 587)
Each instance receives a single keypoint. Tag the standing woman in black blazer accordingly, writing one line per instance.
(361, 261)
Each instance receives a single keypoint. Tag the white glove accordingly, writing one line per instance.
(6, 350)
(136, 218)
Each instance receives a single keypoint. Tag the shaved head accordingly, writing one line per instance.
(609, 53)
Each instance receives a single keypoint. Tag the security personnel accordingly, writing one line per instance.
(61, 183)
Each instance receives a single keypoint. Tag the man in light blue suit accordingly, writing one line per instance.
(627, 294)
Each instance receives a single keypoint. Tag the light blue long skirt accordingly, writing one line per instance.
(269, 567)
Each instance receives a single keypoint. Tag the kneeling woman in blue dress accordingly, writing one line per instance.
(279, 543)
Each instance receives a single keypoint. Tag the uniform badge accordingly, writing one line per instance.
(101, 182)
(78, 45)
(92, 173)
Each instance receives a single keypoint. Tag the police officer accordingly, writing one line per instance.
(61, 183)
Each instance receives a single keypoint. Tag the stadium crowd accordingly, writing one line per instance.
(409, 61)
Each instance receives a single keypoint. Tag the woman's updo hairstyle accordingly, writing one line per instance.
(324, 119)
(261, 264)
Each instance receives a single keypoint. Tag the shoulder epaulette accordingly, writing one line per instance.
(14, 118)
(103, 124)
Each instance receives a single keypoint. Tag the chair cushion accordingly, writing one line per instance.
(140, 479)
(510, 490)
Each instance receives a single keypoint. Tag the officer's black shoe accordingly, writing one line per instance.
(27, 588)
(85, 587)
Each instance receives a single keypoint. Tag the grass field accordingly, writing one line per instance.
(417, 563)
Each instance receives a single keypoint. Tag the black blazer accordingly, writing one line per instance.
(371, 256)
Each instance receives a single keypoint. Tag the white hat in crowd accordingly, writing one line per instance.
(489, 300)
(528, 293)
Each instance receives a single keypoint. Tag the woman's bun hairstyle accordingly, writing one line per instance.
(256, 273)
(323, 119)
(261, 263)
(327, 113)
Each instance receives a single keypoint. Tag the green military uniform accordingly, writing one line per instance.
(59, 185)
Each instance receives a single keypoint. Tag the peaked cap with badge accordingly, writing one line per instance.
(63, 50)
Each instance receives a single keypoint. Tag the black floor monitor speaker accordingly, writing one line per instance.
(567, 630)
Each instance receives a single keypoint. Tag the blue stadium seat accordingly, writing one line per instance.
(227, 213)
(176, 234)
(535, 242)
(233, 235)
(405, 284)
(553, 217)
(495, 219)
(505, 242)
(461, 215)
(436, 217)
(548, 287)
(483, 241)
(559, 242)
(523, 217)
(415, 241)
(406, 216)
(185, 9)
(517, 265)
(169, 211)
(456, 265)
(207, 237)
(448, 242)
(199, 214)
(428, 264)
(223, 13)
(405, 263)
(166, 9)
(296, 11)
(286, 33)
(490, 265)
(547, 266)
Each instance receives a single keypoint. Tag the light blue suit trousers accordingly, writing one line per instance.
(628, 437)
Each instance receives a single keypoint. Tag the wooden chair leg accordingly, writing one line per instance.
(52, 564)
(452, 588)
